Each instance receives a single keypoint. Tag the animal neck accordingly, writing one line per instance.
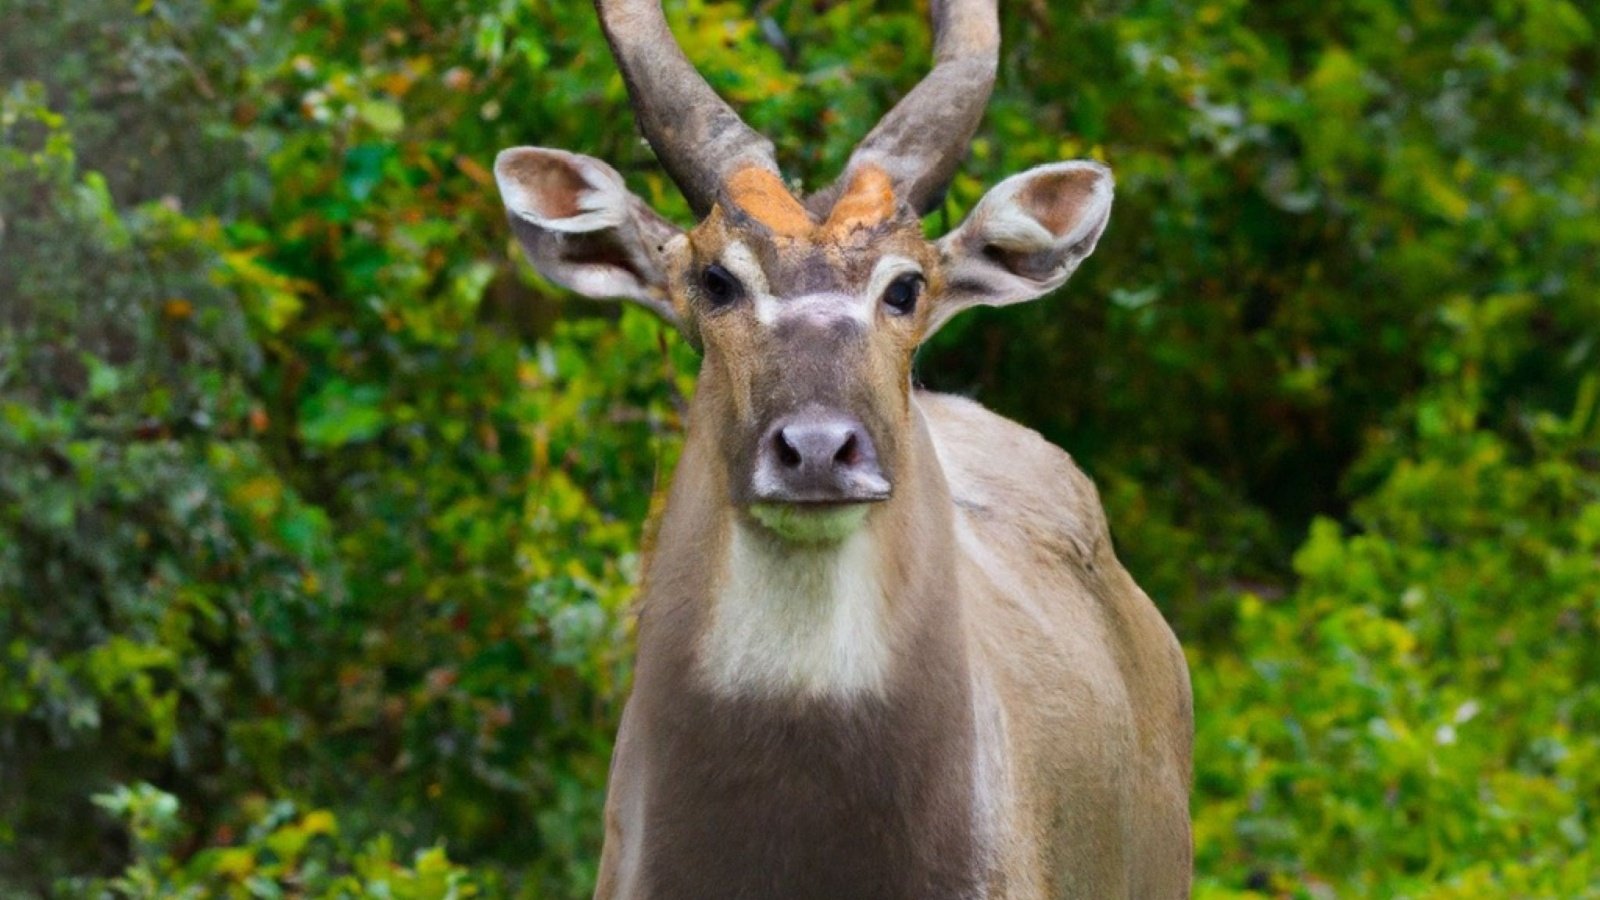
(817, 699)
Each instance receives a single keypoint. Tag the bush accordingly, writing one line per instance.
(1417, 718)
(283, 854)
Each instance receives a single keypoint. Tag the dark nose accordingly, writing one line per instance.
(819, 458)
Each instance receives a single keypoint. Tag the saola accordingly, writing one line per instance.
(885, 649)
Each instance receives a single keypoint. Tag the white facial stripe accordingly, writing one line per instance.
(826, 305)
(742, 263)
(738, 259)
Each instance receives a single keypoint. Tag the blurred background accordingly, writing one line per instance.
(320, 511)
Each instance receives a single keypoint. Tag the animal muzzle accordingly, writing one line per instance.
(818, 457)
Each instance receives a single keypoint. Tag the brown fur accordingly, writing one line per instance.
(745, 797)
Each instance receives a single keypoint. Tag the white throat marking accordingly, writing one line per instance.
(797, 620)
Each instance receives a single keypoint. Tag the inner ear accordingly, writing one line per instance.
(1057, 200)
(1025, 237)
(581, 228)
(549, 187)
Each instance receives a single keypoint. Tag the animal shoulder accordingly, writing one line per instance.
(1005, 477)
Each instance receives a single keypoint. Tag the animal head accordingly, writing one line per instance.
(807, 311)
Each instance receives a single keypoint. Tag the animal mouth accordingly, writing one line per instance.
(813, 523)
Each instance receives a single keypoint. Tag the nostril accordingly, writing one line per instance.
(818, 456)
(849, 452)
(787, 454)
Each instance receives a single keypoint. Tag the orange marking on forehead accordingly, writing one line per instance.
(763, 197)
(867, 201)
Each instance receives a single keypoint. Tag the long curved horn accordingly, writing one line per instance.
(922, 140)
(698, 137)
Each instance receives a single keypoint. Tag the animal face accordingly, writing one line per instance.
(807, 322)
(808, 328)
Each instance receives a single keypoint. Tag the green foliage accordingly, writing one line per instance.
(1418, 718)
(320, 511)
(284, 853)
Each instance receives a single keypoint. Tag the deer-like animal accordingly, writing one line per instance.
(885, 649)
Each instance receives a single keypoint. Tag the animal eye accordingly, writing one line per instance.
(720, 287)
(901, 294)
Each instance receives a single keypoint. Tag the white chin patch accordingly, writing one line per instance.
(804, 524)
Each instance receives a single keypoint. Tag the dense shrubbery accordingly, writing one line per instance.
(319, 511)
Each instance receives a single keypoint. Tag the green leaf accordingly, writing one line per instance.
(341, 413)
(384, 117)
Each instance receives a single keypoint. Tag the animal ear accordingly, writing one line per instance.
(581, 228)
(1025, 237)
